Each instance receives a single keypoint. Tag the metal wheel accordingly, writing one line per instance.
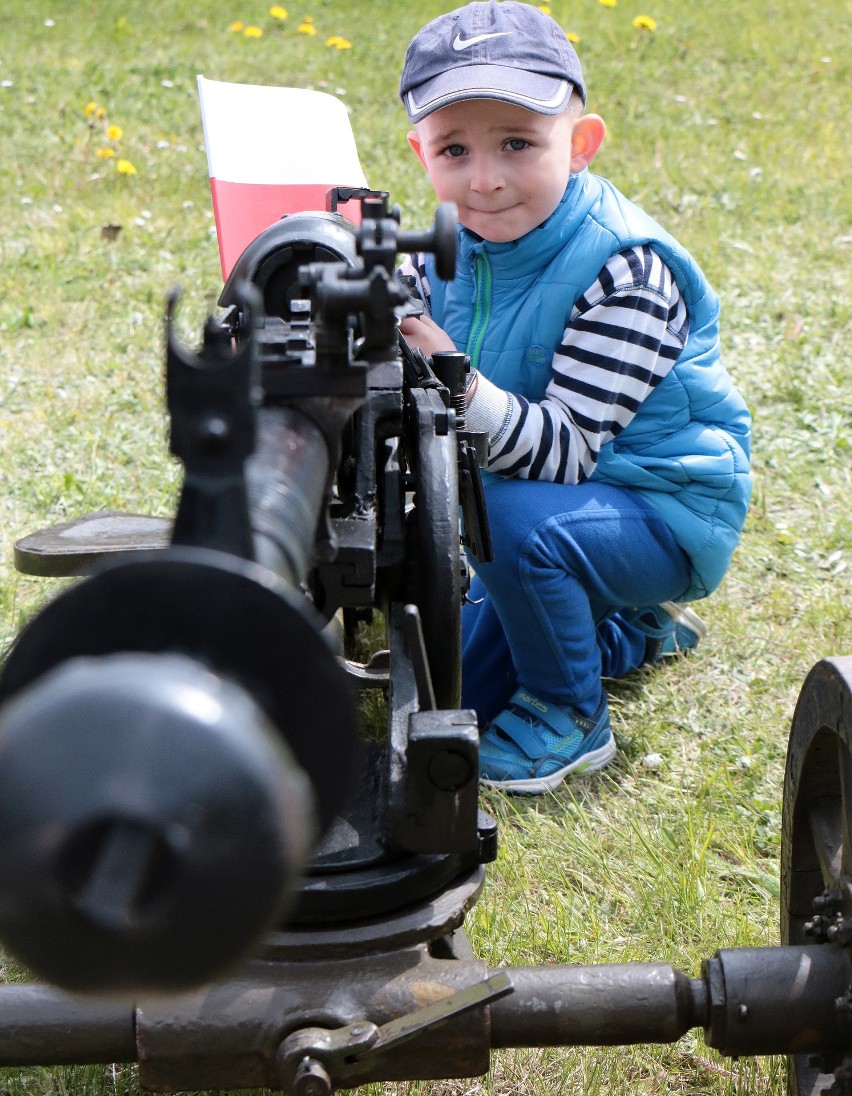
(816, 846)
(435, 580)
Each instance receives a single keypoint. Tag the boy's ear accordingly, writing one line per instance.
(586, 138)
(414, 141)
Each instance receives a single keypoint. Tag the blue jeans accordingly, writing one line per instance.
(544, 615)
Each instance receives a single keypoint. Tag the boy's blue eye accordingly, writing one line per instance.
(455, 150)
(517, 144)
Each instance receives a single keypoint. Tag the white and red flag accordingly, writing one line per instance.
(272, 151)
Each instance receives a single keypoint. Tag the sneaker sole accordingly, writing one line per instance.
(681, 614)
(538, 785)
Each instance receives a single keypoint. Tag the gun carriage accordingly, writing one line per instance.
(215, 872)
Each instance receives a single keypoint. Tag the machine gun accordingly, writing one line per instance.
(220, 876)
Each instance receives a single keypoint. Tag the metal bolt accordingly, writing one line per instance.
(742, 1012)
(357, 1031)
(311, 1079)
(829, 901)
(840, 930)
(820, 928)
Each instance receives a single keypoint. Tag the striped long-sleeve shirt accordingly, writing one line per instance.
(624, 335)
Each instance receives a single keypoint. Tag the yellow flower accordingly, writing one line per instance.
(608, 3)
(104, 153)
(338, 42)
(571, 36)
(306, 27)
(124, 167)
(100, 112)
(253, 32)
(644, 22)
(278, 13)
(90, 109)
(114, 133)
(235, 28)
(544, 8)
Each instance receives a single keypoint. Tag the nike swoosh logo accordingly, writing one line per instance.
(460, 43)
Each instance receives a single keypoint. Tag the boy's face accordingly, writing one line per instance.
(506, 168)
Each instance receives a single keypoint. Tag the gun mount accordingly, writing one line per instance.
(189, 813)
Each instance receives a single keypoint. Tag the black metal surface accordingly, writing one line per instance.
(435, 560)
(778, 1000)
(816, 845)
(212, 398)
(233, 616)
(76, 547)
(418, 924)
(271, 263)
(286, 481)
(405, 1011)
(41, 1025)
(414, 829)
(152, 823)
(271, 1007)
(603, 1005)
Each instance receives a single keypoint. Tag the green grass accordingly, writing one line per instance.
(727, 123)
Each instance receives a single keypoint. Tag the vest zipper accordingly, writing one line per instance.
(481, 307)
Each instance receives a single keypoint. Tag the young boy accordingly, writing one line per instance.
(617, 482)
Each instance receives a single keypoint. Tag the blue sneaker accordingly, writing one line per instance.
(532, 746)
(669, 626)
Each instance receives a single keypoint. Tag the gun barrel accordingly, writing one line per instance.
(286, 479)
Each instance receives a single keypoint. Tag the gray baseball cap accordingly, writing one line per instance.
(508, 51)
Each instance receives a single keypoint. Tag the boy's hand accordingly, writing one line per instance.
(423, 332)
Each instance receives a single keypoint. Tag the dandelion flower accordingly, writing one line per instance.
(572, 37)
(114, 133)
(644, 22)
(608, 3)
(236, 27)
(124, 167)
(545, 8)
(100, 113)
(306, 27)
(104, 153)
(90, 108)
(277, 12)
(253, 32)
(338, 42)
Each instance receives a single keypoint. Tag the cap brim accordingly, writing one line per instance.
(541, 94)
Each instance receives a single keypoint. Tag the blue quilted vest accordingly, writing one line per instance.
(686, 450)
